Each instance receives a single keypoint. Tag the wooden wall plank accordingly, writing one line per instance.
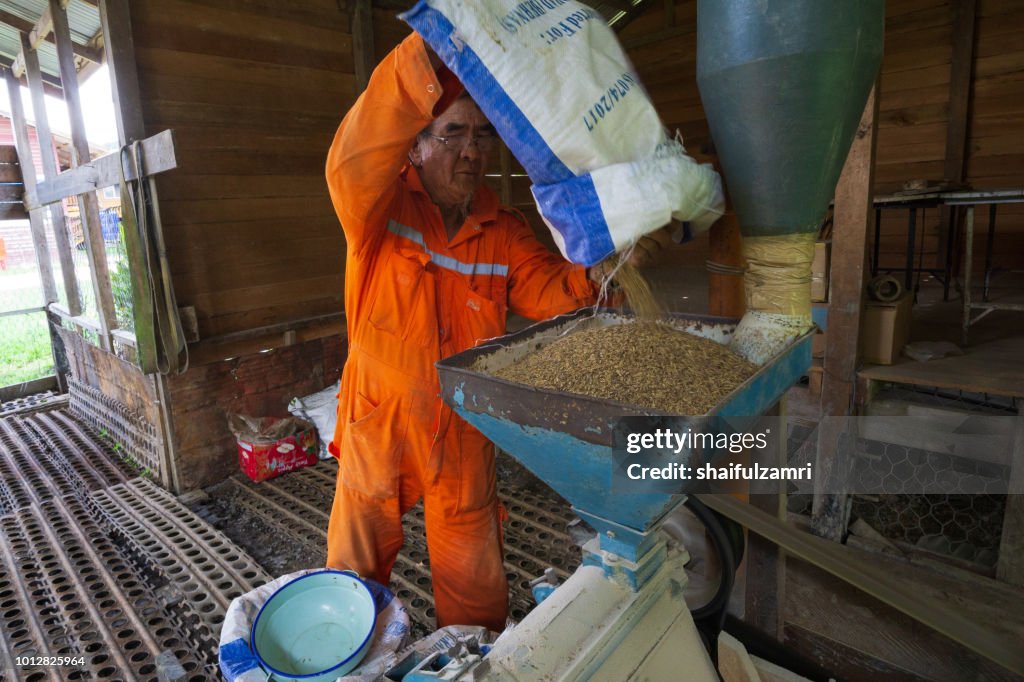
(197, 187)
(199, 91)
(161, 114)
(154, 60)
(885, 638)
(254, 90)
(255, 319)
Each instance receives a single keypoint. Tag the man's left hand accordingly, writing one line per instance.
(648, 247)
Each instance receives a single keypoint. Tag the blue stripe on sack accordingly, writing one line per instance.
(382, 596)
(574, 209)
(444, 261)
(236, 658)
(515, 129)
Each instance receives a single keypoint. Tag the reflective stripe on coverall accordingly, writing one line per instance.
(411, 298)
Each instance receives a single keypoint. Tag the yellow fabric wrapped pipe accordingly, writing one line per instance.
(778, 277)
(778, 290)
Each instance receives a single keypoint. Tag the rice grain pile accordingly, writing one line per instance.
(646, 364)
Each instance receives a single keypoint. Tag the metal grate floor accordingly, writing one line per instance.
(36, 401)
(297, 506)
(103, 569)
(106, 568)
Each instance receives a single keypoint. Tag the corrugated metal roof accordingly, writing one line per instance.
(83, 18)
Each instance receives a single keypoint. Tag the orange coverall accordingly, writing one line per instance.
(411, 298)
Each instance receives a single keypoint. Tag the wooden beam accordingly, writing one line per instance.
(765, 571)
(50, 87)
(363, 56)
(157, 157)
(726, 296)
(124, 84)
(124, 77)
(853, 216)
(34, 77)
(40, 244)
(90, 212)
(48, 160)
(936, 606)
(39, 31)
(960, 77)
(961, 69)
(84, 51)
(1010, 568)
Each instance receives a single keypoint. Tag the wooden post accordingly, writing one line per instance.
(960, 77)
(124, 78)
(45, 140)
(36, 215)
(765, 599)
(362, 42)
(124, 84)
(1010, 567)
(90, 212)
(853, 216)
(28, 177)
(726, 295)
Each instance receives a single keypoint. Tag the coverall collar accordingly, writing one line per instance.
(484, 211)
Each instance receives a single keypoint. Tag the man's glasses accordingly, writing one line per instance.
(457, 143)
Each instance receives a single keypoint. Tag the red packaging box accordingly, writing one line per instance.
(261, 460)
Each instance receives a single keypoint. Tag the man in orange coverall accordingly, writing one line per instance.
(433, 265)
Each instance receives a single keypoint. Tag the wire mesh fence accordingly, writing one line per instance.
(80, 256)
(948, 503)
(117, 261)
(963, 517)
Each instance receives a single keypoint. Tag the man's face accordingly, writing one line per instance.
(453, 168)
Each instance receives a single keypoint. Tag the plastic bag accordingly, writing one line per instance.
(264, 429)
(321, 408)
(238, 663)
(555, 83)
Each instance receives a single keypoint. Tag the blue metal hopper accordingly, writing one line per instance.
(566, 439)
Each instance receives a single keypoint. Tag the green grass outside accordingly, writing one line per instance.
(24, 349)
(24, 339)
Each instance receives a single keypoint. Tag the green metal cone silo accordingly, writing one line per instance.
(783, 83)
